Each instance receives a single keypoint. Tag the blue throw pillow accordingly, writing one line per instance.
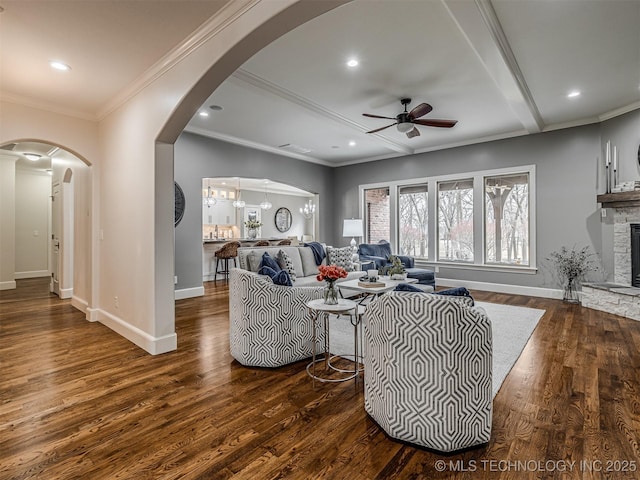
(407, 287)
(456, 292)
(269, 261)
(278, 278)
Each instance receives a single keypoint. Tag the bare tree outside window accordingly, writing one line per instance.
(455, 220)
(507, 219)
(413, 216)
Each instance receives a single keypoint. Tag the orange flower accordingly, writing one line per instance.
(330, 273)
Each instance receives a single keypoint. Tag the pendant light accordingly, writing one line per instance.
(239, 203)
(209, 200)
(265, 204)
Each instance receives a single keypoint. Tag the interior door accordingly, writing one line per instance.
(56, 228)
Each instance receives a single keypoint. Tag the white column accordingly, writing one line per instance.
(7, 222)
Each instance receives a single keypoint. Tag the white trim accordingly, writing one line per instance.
(92, 314)
(66, 293)
(8, 285)
(502, 288)
(189, 293)
(473, 266)
(153, 345)
(80, 304)
(32, 274)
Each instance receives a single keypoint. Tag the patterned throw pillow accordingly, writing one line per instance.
(286, 263)
(342, 257)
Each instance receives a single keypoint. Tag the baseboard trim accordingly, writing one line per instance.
(501, 288)
(153, 345)
(92, 314)
(189, 293)
(79, 304)
(8, 285)
(33, 274)
(66, 293)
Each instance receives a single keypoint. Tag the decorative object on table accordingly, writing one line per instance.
(180, 204)
(353, 228)
(571, 266)
(372, 275)
(252, 228)
(283, 219)
(611, 168)
(366, 283)
(330, 274)
(395, 270)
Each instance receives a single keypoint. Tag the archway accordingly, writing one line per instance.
(277, 24)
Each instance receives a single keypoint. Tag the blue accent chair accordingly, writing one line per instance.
(379, 254)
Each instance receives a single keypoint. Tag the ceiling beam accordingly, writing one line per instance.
(479, 24)
(267, 86)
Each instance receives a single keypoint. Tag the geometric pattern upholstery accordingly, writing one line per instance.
(342, 257)
(270, 324)
(427, 370)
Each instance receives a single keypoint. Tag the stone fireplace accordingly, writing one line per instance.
(623, 296)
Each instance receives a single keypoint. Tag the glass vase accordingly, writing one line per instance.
(331, 293)
(571, 291)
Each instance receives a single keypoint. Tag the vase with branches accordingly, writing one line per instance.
(571, 267)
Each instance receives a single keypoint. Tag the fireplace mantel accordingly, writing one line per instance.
(620, 199)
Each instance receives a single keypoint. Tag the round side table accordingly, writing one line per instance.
(320, 310)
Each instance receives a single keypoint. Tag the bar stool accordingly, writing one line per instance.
(286, 241)
(262, 243)
(228, 251)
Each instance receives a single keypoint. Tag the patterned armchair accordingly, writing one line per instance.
(427, 375)
(269, 324)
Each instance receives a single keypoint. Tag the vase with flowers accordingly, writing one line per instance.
(252, 228)
(330, 274)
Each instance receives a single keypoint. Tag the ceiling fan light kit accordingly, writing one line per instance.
(406, 121)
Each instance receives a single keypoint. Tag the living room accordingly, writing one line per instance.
(82, 399)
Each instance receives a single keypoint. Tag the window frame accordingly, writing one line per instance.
(479, 239)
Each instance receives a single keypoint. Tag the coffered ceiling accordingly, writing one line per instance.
(500, 68)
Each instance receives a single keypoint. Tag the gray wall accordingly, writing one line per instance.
(568, 177)
(198, 157)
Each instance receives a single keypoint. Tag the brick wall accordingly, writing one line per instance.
(377, 201)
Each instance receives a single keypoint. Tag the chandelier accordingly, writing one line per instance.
(265, 204)
(308, 210)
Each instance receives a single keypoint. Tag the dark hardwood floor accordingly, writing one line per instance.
(77, 401)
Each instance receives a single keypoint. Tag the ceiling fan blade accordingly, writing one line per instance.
(436, 123)
(413, 133)
(420, 110)
(377, 116)
(382, 128)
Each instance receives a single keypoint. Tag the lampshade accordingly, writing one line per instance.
(405, 127)
(352, 228)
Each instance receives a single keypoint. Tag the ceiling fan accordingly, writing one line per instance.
(406, 121)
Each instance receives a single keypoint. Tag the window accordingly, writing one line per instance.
(413, 220)
(507, 219)
(455, 221)
(377, 214)
(484, 219)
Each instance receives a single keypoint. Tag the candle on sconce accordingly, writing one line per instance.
(607, 156)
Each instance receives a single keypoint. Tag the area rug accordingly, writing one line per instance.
(511, 327)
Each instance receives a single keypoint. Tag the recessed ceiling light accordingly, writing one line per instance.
(203, 114)
(352, 63)
(352, 143)
(217, 108)
(573, 94)
(59, 66)
(34, 157)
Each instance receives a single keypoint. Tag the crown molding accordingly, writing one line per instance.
(222, 19)
(619, 111)
(267, 86)
(49, 107)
